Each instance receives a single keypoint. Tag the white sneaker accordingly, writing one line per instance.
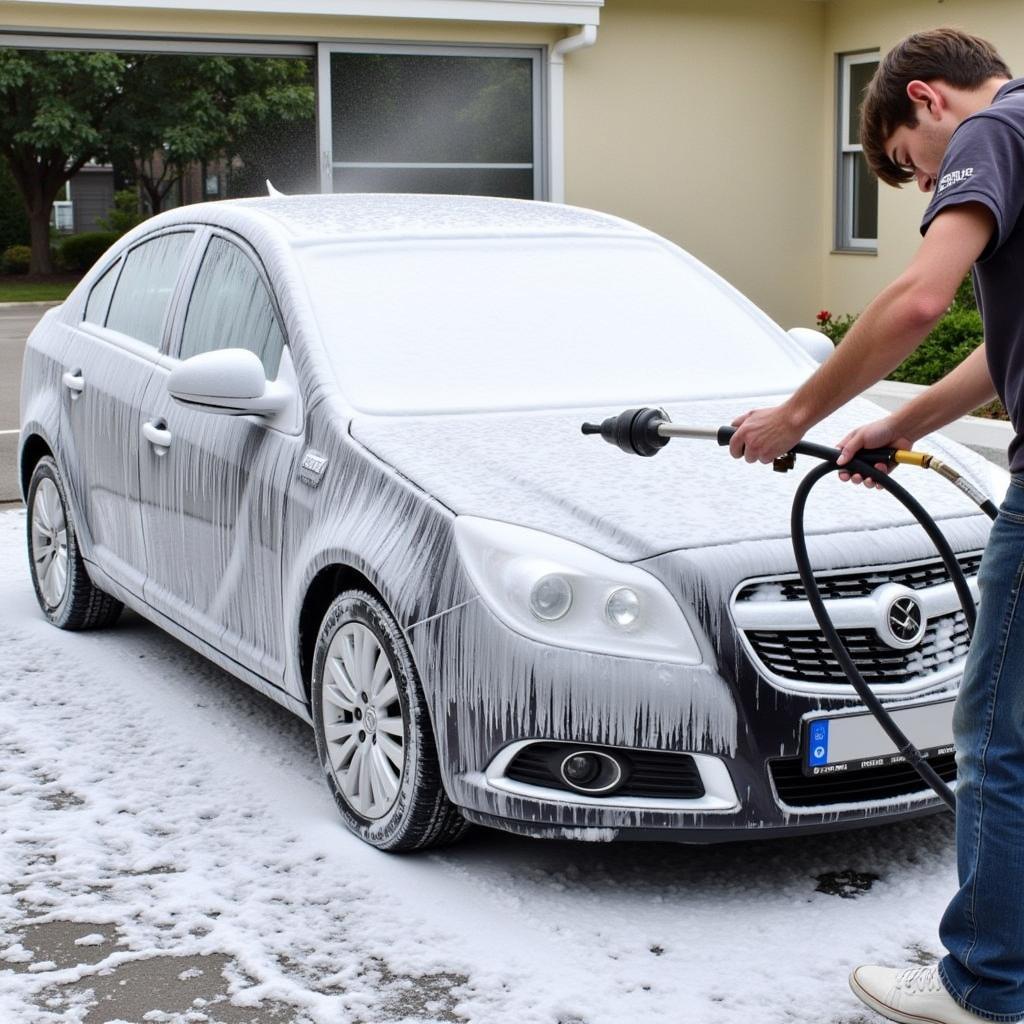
(914, 995)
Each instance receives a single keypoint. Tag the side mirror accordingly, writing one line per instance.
(228, 381)
(817, 345)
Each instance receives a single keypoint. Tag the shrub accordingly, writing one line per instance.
(13, 219)
(80, 252)
(835, 328)
(16, 259)
(950, 342)
(125, 213)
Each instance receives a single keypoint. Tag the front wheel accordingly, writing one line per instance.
(373, 732)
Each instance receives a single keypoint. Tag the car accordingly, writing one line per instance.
(333, 443)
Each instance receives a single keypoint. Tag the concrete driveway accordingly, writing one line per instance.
(16, 323)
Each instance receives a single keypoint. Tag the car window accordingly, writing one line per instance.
(231, 308)
(456, 325)
(96, 307)
(145, 286)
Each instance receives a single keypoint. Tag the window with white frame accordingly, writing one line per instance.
(407, 118)
(856, 186)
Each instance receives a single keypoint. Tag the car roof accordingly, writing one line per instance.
(313, 218)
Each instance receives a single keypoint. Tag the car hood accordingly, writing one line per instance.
(537, 470)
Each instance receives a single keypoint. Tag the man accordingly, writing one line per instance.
(943, 111)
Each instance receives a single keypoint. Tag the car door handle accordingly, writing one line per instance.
(157, 434)
(74, 382)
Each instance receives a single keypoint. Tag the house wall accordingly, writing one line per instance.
(688, 116)
(852, 280)
(92, 196)
(702, 120)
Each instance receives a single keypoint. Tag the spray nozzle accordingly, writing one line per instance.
(634, 431)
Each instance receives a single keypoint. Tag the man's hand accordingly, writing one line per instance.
(882, 433)
(764, 434)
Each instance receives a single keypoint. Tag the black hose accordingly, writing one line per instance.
(956, 574)
(639, 432)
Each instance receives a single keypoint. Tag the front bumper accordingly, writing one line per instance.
(492, 692)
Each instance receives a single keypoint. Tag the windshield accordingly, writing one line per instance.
(457, 325)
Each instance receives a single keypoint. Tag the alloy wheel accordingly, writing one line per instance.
(50, 542)
(364, 725)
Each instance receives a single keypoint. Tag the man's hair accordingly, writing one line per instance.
(959, 59)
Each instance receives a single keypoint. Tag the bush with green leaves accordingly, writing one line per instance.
(15, 259)
(125, 213)
(834, 327)
(80, 252)
(949, 343)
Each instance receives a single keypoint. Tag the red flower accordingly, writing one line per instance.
(824, 316)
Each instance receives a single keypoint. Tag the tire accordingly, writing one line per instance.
(63, 589)
(373, 733)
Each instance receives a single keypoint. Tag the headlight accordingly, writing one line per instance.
(551, 597)
(623, 608)
(562, 593)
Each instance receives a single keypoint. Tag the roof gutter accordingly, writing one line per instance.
(587, 36)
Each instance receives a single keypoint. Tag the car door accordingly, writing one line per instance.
(213, 485)
(108, 363)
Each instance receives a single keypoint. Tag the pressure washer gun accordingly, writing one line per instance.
(646, 431)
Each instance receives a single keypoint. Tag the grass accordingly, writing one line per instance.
(36, 289)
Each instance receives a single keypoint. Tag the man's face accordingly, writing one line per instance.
(920, 148)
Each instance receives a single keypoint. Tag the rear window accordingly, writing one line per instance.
(145, 287)
(96, 307)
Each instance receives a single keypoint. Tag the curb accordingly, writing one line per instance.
(31, 302)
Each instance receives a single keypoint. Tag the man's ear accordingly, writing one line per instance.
(926, 97)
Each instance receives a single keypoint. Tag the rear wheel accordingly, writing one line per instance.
(373, 732)
(62, 585)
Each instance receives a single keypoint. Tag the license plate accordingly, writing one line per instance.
(848, 742)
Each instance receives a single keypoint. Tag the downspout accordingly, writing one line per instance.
(587, 36)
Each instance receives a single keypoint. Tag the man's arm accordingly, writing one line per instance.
(892, 326)
(961, 391)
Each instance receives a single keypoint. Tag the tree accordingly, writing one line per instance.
(59, 110)
(201, 108)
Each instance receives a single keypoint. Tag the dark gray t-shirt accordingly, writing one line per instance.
(984, 163)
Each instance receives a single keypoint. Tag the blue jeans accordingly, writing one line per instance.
(983, 926)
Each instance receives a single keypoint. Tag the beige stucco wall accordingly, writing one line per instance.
(701, 119)
(850, 281)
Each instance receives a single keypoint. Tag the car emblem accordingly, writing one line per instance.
(904, 623)
(312, 468)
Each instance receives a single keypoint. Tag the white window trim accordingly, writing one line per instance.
(325, 132)
(545, 12)
(845, 169)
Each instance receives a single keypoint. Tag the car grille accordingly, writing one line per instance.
(860, 582)
(783, 650)
(806, 655)
(646, 773)
(857, 786)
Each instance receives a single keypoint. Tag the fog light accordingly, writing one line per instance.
(550, 597)
(581, 769)
(622, 608)
(591, 771)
